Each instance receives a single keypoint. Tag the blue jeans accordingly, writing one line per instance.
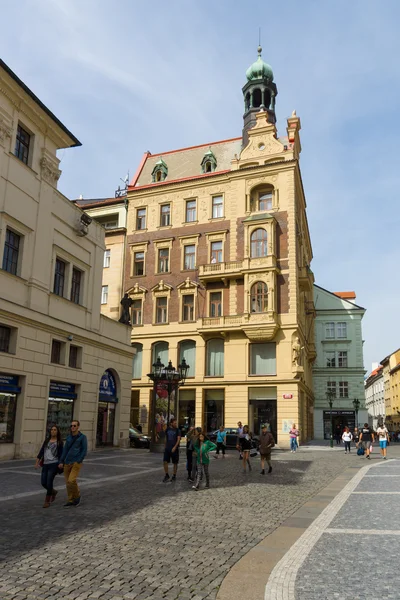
(47, 480)
(293, 444)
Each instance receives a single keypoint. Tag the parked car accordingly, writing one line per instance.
(231, 437)
(138, 439)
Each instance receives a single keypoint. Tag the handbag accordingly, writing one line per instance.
(41, 462)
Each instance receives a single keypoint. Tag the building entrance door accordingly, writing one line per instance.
(260, 412)
(105, 424)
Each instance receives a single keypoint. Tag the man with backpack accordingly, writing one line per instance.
(366, 437)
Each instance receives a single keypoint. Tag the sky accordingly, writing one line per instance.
(127, 76)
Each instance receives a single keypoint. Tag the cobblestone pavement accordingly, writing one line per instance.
(134, 537)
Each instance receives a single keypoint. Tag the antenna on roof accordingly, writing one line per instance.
(120, 193)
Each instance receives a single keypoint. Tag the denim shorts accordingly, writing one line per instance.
(382, 443)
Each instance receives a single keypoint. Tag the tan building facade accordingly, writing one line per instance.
(218, 268)
(391, 386)
(59, 357)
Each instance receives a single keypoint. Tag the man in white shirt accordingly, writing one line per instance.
(383, 437)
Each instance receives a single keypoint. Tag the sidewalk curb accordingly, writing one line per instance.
(249, 576)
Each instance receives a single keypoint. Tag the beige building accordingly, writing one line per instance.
(59, 357)
(218, 270)
(391, 388)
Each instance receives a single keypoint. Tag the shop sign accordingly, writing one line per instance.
(287, 396)
(338, 413)
(60, 389)
(108, 389)
(9, 384)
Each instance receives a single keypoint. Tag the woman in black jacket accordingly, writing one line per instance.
(49, 458)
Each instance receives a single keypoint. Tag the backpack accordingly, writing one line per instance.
(360, 451)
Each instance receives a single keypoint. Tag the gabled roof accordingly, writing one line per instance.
(333, 295)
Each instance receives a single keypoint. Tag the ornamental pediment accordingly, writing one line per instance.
(137, 290)
(188, 284)
(161, 287)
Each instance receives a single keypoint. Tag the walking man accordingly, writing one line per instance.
(366, 437)
(383, 438)
(75, 450)
(171, 452)
(267, 442)
(239, 432)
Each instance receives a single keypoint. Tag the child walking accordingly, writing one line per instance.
(203, 447)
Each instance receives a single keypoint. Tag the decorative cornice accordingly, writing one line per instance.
(50, 172)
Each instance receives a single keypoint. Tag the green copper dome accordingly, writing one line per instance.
(259, 69)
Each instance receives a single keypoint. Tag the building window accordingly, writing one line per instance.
(263, 359)
(165, 215)
(215, 358)
(343, 389)
(190, 211)
(8, 409)
(264, 201)
(189, 257)
(341, 330)
(259, 246)
(329, 330)
(137, 312)
(331, 387)
(216, 252)
(217, 207)
(330, 359)
(342, 359)
(76, 285)
(104, 294)
(213, 409)
(187, 350)
(59, 277)
(161, 310)
(141, 218)
(5, 335)
(22, 144)
(138, 267)
(74, 355)
(11, 252)
(56, 347)
(188, 307)
(215, 304)
(161, 349)
(107, 259)
(259, 297)
(163, 260)
(137, 361)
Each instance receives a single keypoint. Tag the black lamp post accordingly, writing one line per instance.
(166, 380)
(330, 394)
(356, 404)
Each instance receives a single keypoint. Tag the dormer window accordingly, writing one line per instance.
(209, 162)
(159, 172)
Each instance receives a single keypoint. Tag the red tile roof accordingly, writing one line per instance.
(346, 295)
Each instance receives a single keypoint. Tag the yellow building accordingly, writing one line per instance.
(59, 357)
(391, 382)
(218, 270)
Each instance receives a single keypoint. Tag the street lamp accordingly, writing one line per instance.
(166, 380)
(330, 394)
(356, 404)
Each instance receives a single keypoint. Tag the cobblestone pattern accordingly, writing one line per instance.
(141, 539)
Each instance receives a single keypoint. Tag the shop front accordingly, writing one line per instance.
(9, 390)
(263, 409)
(60, 411)
(108, 401)
(214, 409)
(187, 409)
(340, 420)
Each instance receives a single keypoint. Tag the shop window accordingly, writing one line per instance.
(162, 309)
(259, 297)
(107, 259)
(137, 361)
(75, 355)
(165, 215)
(213, 410)
(141, 218)
(215, 304)
(263, 359)
(59, 277)
(215, 358)
(76, 285)
(137, 312)
(188, 307)
(259, 246)
(190, 211)
(187, 350)
(216, 252)
(22, 144)
(104, 294)
(138, 267)
(161, 349)
(163, 260)
(11, 252)
(5, 336)
(187, 409)
(217, 207)
(8, 408)
(189, 257)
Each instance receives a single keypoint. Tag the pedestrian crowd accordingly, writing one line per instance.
(363, 439)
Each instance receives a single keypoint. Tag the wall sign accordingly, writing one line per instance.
(9, 384)
(108, 388)
(59, 389)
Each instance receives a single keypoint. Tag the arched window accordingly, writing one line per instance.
(247, 101)
(259, 243)
(262, 199)
(207, 167)
(215, 358)
(187, 350)
(209, 162)
(257, 98)
(137, 361)
(160, 349)
(259, 297)
(160, 171)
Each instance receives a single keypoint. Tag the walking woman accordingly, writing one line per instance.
(203, 447)
(245, 445)
(49, 458)
(347, 437)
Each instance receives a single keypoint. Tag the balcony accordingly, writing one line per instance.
(256, 326)
(234, 268)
